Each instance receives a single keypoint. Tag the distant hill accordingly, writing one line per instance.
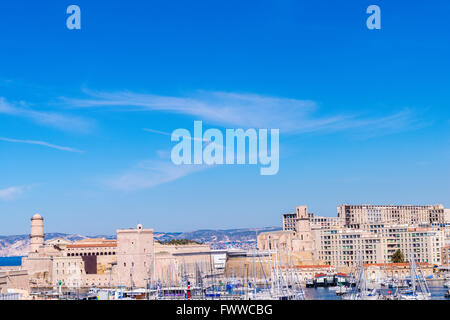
(18, 245)
(215, 236)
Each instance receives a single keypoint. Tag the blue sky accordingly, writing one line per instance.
(363, 114)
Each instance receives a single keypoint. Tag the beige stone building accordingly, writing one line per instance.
(69, 271)
(296, 234)
(297, 237)
(135, 256)
(84, 263)
(133, 260)
(394, 270)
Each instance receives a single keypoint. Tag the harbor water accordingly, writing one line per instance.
(322, 293)
(10, 261)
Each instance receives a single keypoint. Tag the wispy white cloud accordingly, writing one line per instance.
(244, 110)
(41, 143)
(401, 120)
(12, 193)
(291, 116)
(150, 173)
(164, 133)
(51, 119)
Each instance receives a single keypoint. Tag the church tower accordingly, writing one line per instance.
(303, 229)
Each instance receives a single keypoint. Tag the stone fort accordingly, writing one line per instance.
(133, 259)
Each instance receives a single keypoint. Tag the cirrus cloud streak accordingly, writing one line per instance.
(291, 116)
(41, 143)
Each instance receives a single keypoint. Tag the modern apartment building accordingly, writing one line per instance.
(290, 220)
(347, 247)
(423, 244)
(356, 215)
(371, 231)
(318, 222)
(342, 246)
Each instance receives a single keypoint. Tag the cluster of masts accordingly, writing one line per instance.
(284, 283)
(417, 290)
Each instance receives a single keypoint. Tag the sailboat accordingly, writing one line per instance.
(285, 285)
(361, 291)
(419, 289)
(342, 289)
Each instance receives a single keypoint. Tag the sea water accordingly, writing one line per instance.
(436, 287)
(10, 261)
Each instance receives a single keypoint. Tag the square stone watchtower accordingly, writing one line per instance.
(135, 256)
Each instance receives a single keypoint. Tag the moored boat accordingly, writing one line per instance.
(447, 294)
